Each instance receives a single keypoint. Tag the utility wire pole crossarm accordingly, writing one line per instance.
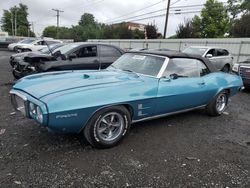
(57, 19)
(166, 20)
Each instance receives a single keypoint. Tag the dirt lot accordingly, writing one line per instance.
(186, 150)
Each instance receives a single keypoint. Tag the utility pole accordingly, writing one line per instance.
(57, 18)
(15, 23)
(32, 26)
(166, 21)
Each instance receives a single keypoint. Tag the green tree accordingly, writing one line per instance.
(137, 34)
(87, 19)
(245, 6)
(50, 31)
(63, 32)
(214, 20)
(187, 29)
(152, 31)
(23, 26)
(241, 28)
(233, 8)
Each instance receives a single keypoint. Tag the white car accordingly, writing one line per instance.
(37, 45)
(13, 46)
(219, 57)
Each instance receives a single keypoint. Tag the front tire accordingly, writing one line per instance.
(218, 105)
(108, 127)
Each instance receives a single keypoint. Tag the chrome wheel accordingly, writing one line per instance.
(221, 102)
(110, 126)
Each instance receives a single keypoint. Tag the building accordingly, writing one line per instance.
(132, 26)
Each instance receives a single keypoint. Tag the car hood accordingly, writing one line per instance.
(41, 85)
(23, 54)
(245, 63)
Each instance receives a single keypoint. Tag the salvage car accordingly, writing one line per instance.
(42, 54)
(102, 104)
(13, 46)
(243, 69)
(36, 45)
(220, 57)
(25, 63)
(73, 56)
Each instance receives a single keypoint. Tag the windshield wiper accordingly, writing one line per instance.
(127, 70)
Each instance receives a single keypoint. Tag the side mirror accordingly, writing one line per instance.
(174, 76)
(209, 56)
(72, 56)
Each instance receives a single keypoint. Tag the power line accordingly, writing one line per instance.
(135, 11)
(161, 15)
(179, 7)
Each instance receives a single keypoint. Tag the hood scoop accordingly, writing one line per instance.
(91, 77)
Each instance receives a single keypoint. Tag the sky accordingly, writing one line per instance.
(106, 11)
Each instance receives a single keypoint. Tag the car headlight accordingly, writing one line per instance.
(235, 67)
(35, 112)
(32, 109)
(39, 114)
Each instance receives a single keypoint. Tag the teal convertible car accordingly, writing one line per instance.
(102, 104)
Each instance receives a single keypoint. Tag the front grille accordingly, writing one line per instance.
(19, 103)
(245, 72)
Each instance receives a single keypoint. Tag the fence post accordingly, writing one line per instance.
(238, 57)
(180, 46)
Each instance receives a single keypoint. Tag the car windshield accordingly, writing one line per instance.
(139, 63)
(196, 51)
(26, 41)
(68, 48)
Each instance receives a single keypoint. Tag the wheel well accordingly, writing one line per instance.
(127, 106)
(228, 91)
(130, 109)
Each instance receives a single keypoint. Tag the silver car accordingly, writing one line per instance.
(220, 57)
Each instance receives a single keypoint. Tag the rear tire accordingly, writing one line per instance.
(108, 127)
(218, 105)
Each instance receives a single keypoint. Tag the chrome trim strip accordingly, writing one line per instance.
(19, 95)
(163, 68)
(167, 114)
(244, 66)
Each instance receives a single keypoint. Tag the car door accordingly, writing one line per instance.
(212, 56)
(183, 86)
(108, 54)
(223, 58)
(86, 57)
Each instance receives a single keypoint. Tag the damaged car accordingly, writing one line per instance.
(25, 63)
(73, 56)
(101, 105)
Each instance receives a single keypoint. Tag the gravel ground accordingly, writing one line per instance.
(186, 150)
